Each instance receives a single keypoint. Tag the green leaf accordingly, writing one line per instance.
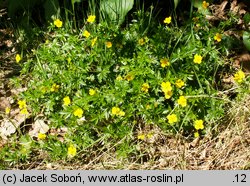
(75, 1)
(25, 141)
(115, 10)
(198, 4)
(246, 39)
(246, 18)
(51, 9)
(176, 2)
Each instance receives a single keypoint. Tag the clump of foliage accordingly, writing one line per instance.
(102, 81)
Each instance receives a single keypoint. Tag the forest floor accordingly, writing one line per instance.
(228, 149)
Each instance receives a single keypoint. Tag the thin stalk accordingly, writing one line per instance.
(198, 80)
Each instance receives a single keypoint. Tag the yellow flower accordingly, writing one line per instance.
(166, 86)
(66, 101)
(86, 33)
(24, 111)
(43, 89)
(7, 110)
(205, 4)
(18, 58)
(167, 20)
(196, 134)
(119, 78)
(129, 77)
(168, 94)
(91, 18)
(54, 88)
(218, 37)
(22, 104)
(164, 62)
(179, 83)
(121, 113)
(92, 92)
(148, 106)
(198, 124)
(141, 41)
(69, 60)
(41, 136)
(108, 44)
(78, 112)
(71, 151)
(145, 87)
(141, 136)
(197, 58)
(93, 41)
(150, 135)
(172, 118)
(182, 101)
(239, 76)
(58, 23)
(115, 110)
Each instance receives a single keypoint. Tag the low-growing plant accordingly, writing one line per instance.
(104, 82)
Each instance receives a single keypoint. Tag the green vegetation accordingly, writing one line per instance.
(95, 87)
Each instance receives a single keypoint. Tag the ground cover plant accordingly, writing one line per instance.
(110, 88)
